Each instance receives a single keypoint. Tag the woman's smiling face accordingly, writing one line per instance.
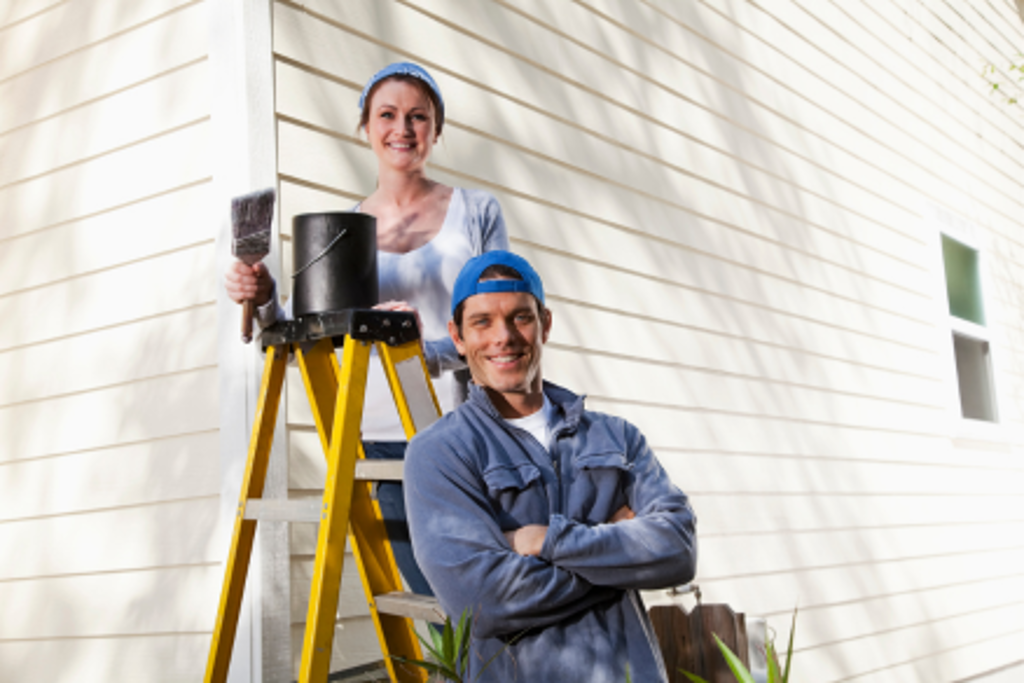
(401, 125)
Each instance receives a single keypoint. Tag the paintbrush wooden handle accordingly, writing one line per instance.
(248, 309)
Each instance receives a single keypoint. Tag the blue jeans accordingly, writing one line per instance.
(392, 509)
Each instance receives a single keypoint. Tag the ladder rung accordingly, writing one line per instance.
(410, 605)
(379, 470)
(276, 510)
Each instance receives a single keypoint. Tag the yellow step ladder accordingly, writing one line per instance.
(336, 393)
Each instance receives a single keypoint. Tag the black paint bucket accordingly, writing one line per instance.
(335, 261)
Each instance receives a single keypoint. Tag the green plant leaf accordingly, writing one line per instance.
(450, 650)
(436, 646)
(448, 638)
(789, 647)
(430, 647)
(738, 670)
(774, 675)
(694, 678)
(431, 667)
(462, 637)
(441, 650)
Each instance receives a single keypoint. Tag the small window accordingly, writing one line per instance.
(970, 337)
(963, 281)
(974, 377)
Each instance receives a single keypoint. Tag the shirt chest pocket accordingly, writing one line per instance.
(601, 486)
(517, 495)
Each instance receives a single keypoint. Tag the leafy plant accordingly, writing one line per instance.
(448, 650)
(742, 673)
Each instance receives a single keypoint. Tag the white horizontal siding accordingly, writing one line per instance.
(106, 239)
(116, 603)
(117, 477)
(152, 108)
(17, 11)
(156, 165)
(630, 379)
(175, 534)
(539, 89)
(141, 288)
(79, 26)
(154, 408)
(174, 657)
(105, 67)
(828, 587)
(742, 507)
(176, 342)
(109, 462)
(309, 154)
(725, 201)
(754, 474)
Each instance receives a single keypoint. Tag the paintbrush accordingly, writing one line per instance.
(251, 216)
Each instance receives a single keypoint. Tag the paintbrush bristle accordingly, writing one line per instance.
(251, 217)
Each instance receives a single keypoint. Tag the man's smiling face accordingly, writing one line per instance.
(502, 337)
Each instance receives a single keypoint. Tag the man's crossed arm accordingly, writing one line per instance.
(528, 540)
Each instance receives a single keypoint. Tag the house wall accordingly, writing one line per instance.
(733, 206)
(109, 446)
(727, 201)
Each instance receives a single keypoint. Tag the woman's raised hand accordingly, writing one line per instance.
(244, 282)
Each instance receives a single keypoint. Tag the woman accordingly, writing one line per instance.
(426, 231)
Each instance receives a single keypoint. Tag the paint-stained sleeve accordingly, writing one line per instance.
(440, 355)
(466, 558)
(656, 549)
(272, 311)
(493, 232)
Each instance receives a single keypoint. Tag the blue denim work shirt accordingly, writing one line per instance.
(573, 613)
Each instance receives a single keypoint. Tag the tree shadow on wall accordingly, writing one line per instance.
(688, 201)
(109, 449)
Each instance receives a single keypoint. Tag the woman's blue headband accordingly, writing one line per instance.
(404, 69)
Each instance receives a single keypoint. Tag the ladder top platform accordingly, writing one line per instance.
(365, 324)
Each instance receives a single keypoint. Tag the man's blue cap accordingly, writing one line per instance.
(468, 282)
(404, 69)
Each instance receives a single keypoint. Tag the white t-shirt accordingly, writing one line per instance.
(423, 277)
(538, 424)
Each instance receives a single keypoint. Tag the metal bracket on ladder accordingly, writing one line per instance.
(347, 510)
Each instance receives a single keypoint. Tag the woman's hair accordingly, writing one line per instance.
(428, 92)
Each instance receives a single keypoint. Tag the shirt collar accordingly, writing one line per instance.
(568, 406)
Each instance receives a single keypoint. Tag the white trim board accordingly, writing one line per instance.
(244, 156)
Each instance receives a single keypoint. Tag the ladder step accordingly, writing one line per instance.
(309, 509)
(410, 605)
(276, 510)
(379, 470)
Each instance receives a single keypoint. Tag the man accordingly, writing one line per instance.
(540, 518)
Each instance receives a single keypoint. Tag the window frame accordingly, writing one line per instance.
(942, 222)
